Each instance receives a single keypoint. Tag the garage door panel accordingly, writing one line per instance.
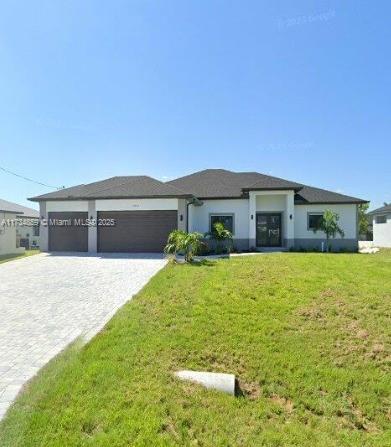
(136, 231)
(68, 237)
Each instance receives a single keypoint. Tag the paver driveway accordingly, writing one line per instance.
(46, 301)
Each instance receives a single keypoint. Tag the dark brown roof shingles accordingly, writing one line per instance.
(116, 187)
(206, 184)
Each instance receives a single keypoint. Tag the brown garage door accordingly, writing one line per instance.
(66, 233)
(135, 231)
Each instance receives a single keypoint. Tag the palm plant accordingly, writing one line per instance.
(329, 225)
(181, 242)
(220, 234)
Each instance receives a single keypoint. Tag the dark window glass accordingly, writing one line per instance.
(36, 230)
(226, 220)
(314, 221)
(381, 219)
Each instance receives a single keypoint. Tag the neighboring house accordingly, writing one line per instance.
(27, 232)
(381, 222)
(18, 225)
(136, 214)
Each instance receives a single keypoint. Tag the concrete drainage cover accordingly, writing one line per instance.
(216, 381)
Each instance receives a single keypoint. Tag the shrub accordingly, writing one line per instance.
(220, 235)
(180, 242)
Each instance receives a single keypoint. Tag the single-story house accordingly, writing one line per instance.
(136, 213)
(19, 227)
(381, 224)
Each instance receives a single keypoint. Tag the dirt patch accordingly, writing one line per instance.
(312, 313)
(251, 390)
(362, 333)
(328, 293)
(286, 404)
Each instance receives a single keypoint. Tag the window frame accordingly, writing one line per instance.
(36, 230)
(224, 215)
(382, 216)
(312, 213)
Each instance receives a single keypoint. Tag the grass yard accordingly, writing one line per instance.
(6, 258)
(308, 335)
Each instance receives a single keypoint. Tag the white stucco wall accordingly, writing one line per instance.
(113, 205)
(25, 231)
(270, 203)
(136, 204)
(347, 220)
(66, 205)
(199, 215)
(8, 235)
(382, 233)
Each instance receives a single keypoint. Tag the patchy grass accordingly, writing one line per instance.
(308, 335)
(6, 258)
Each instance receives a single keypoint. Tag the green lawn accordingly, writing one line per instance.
(308, 335)
(6, 258)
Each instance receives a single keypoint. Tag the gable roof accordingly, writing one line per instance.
(381, 210)
(309, 194)
(14, 208)
(116, 187)
(220, 183)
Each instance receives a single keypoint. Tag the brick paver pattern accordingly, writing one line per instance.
(47, 301)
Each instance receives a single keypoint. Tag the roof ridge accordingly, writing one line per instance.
(273, 177)
(128, 181)
(116, 186)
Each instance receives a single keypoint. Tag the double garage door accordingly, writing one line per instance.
(131, 231)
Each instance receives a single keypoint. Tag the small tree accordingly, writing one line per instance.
(221, 235)
(329, 225)
(181, 242)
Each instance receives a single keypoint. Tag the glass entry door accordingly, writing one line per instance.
(268, 230)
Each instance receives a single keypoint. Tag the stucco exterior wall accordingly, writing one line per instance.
(347, 220)
(8, 235)
(305, 238)
(27, 232)
(270, 203)
(136, 204)
(66, 205)
(199, 217)
(382, 232)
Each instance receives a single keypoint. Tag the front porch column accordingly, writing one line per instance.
(252, 209)
(290, 220)
(92, 229)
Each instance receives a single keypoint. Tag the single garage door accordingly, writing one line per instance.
(66, 232)
(135, 231)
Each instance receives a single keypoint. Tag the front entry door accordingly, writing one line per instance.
(268, 229)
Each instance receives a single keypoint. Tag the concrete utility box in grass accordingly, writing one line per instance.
(215, 381)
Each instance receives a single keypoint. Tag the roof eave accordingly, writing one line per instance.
(155, 196)
(280, 188)
(10, 211)
(331, 202)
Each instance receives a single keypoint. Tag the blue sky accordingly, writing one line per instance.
(94, 89)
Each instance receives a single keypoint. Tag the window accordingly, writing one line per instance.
(381, 219)
(226, 219)
(36, 230)
(314, 220)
